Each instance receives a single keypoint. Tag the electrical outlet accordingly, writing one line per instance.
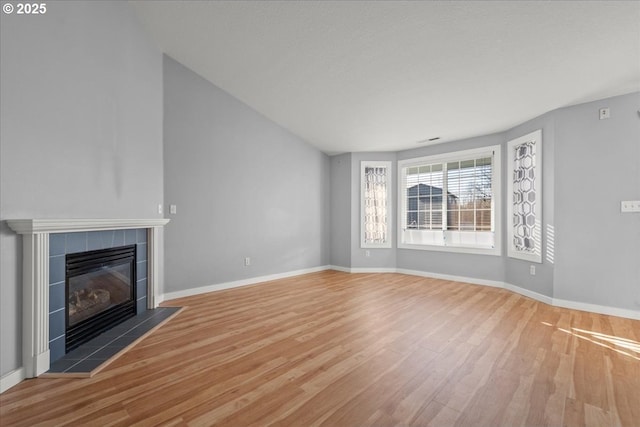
(532, 270)
(247, 261)
(160, 208)
(630, 206)
(367, 253)
(604, 113)
(172, 209)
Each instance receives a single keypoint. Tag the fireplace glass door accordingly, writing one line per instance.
(101, 292)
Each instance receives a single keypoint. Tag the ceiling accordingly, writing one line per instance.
(350, 76)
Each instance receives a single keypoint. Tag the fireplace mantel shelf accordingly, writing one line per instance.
(33, 226)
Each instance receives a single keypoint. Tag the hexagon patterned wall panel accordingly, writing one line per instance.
(525, 197)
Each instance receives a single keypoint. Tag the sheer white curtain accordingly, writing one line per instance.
(375, 205)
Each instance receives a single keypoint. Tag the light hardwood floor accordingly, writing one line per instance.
(341, 349)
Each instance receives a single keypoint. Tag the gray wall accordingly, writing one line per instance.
(341, 198)
(589, 167)
(486, 267)
(597, 165)
(243, 187)
(517, 271)
(81, 134)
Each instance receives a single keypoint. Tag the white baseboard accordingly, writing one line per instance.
(596, 308)
(475, 281)
(574, 305)
(237, 283)
(363, 269)
(11, 379)
(373, 270)
(531, 294)
(340, 268)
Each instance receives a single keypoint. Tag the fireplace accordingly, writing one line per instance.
(36, 284)
(100, 291)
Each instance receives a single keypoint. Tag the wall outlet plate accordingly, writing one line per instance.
(604, 113)
(630, 206)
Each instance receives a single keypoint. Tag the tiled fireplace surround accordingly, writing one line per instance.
(61, 244)
(45, 242)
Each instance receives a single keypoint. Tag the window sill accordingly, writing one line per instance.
(375, 246)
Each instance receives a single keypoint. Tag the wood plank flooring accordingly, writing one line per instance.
(339, 349)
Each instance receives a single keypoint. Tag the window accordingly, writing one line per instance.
(451, 202)
(376, 196)
(524, 189)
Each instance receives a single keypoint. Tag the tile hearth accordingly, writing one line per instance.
(89, 358)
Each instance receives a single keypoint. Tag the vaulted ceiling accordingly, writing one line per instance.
(352, 76)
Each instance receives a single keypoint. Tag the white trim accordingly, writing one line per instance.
(363, 269)
(32, 226)
(340, 268)
(238, 283)
(527, 293)
(11, 379)
(456, 249)
(372, 270)
(596, 308)
(35, 304)
(555, 302)
(575, 305)
(388, 166)
(463, 279)
(154, 263)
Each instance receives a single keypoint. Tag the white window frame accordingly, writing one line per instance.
(378, 164)
(496, 189)
(512, 250)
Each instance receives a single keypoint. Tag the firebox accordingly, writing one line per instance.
(100, 292)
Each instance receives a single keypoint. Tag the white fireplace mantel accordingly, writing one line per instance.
(33, 226)
(35, 275)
